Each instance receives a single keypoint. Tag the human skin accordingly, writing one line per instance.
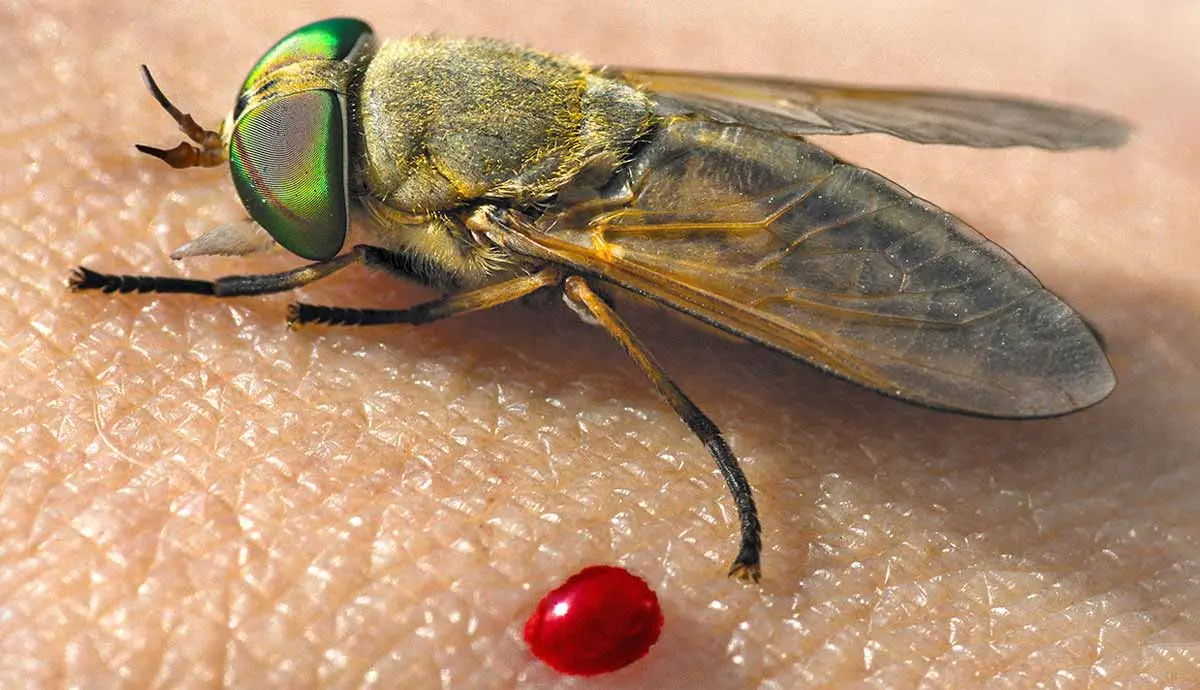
(193, 495)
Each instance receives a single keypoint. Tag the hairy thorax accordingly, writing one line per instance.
(447, 122)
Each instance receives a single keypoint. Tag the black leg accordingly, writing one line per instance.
(451, 305)
(746, 565)
(237, 286)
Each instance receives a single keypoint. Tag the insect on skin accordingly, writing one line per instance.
(491, 171)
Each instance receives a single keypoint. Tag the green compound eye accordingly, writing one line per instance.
(328, 39)
(288, 150)
(288, 158)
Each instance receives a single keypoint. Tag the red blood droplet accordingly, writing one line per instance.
(601, 619)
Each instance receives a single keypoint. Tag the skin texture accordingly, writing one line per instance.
(193, 495)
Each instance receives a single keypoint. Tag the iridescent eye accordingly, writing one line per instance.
(288, 148)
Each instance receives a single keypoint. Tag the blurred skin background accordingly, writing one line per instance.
(194, 495)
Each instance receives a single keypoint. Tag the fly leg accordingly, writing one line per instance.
(746, 565)
(451, 305)
(240, 285)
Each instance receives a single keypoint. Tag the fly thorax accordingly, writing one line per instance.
(444, 122)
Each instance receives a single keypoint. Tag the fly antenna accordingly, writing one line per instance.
(211, 151)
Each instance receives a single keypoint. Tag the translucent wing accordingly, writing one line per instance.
(929, 117)
(774, 239)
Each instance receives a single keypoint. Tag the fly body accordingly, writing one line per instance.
(445, 125)
(493, 171)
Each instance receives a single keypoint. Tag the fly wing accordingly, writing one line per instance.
(775, 240)
(928, 117)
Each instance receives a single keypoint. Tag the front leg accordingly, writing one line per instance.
(243, 285)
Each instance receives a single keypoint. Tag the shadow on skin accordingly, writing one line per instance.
(870, 505)
(1045, 496)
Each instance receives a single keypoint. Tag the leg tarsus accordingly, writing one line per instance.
(234, 285)
(478, 299)
(746, 564)
(744, 570)
(86, 279)
(302, 314)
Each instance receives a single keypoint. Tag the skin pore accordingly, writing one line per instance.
(194, 495)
